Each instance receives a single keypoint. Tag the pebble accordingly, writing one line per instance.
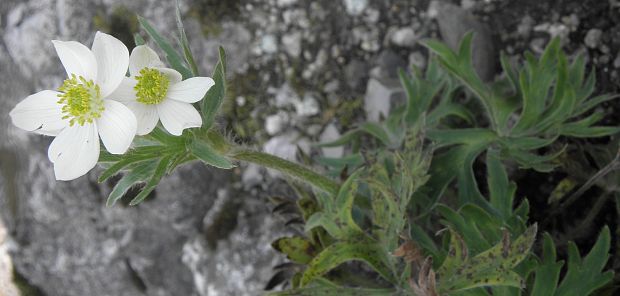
(275, 123)
(417, 60)
(593, 38)
(269, 44)
(309, 106)
(292, 44)
(617, 61)
(404, 37)
(355, 7)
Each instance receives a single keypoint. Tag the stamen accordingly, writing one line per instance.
(152, 86)
(81, 99)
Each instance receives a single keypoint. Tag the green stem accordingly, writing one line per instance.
(287, 167)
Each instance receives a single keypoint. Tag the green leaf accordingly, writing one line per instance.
(461, 136)
(140, 173)
(209, 156)
(212, 101)
(138, 40)
(344, 251)
(376, 131)
(135, 155)
(171, 55)
(297, 249)
(493, 267)
(159, 172)
(500, 190)
(548, 271)
(584, 275)
(187, 53)
(336, 216)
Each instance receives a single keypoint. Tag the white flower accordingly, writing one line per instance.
(156, 93)
(81, 112)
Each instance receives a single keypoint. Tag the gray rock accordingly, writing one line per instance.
(389, 62)
(593, 38)
(285, 146)
(454, 22)
(63, 238)
(356, 72)
(380, 96)
(7, 288)
(331, 133)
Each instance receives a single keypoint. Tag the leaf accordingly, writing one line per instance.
(138, 174)
(336, 216)
(343, 251)
(171, 55)
(212, 101)
(547, 273)
(133, 156)
(493, 267)
(159, 172)
(209, 156)
(376, 131)
(501, 192)
(297, 249)
(584, 276)
(187, 53)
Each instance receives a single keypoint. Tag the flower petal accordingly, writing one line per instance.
(143, 56)
(112, 60)
(177, 116)
(190, 90)
(39, 113)
(172, 74)
(75, 151)
(117, 127)
(146, 115)
(125, 92)
(76, 58)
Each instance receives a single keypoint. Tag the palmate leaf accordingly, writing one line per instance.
(336, 217)
(584, 275)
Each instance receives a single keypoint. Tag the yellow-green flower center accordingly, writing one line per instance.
(152, 86)
(81, 100)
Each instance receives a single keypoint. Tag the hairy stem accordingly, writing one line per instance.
(289, 168)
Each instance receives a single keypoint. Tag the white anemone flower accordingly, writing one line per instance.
(80, 111)
(155, 93)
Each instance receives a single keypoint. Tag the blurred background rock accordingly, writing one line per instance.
(300, 72)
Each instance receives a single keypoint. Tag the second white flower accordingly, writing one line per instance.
(155, 93)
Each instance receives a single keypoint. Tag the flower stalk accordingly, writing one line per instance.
(289, 168)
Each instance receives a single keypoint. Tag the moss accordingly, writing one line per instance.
(121, 23)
